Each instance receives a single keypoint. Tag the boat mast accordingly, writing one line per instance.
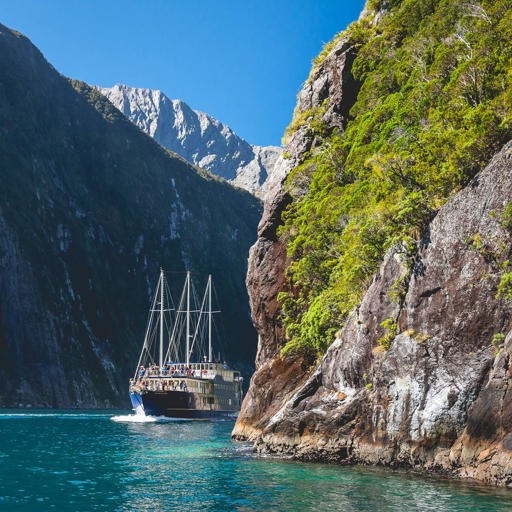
(145, 346)
(188, 320)
(210, 318)
(161, 317)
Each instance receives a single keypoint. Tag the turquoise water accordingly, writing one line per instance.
(86, 461)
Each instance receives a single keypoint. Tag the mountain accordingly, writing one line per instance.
(380, 283)
(90, 209)
(196, 136)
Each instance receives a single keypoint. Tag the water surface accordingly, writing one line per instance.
(86, 461)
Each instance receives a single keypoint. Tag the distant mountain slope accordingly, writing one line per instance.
(196, 136)
(90, 208)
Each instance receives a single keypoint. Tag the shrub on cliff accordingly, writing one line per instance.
(434, 106)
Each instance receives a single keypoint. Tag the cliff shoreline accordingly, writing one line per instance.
(418, 375)
(434, 405)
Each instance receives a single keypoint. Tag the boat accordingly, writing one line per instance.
(176, 374)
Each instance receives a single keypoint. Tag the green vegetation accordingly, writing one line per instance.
(328, 47)
(506, 218)
(497, 341)
(505, 284)
(434, 106)
(420, 337)
(391, 326)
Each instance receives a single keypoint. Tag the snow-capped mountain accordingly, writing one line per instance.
(196, 136)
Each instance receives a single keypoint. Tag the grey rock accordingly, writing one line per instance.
(196, 136)
(439, 398)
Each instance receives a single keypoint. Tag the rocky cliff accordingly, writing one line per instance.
(417, 374)
(90, 208)
(275, 379)
(196, 136)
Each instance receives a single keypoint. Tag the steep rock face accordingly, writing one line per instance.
(439, 398)
(90, 208)
(275, 379)
(196, 136)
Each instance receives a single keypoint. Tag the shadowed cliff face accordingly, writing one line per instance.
(438, 399)
(90, 208)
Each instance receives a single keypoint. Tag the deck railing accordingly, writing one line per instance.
(194, 370)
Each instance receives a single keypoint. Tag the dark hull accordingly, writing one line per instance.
(175, 404)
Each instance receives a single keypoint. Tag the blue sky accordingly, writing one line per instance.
(243, 62)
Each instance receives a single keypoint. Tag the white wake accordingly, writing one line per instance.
(141, 418)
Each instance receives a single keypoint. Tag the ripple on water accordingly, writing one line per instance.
(124, 462)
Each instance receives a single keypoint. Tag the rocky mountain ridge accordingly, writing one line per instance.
(90, 209)
(418, 373)
(196, 136)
